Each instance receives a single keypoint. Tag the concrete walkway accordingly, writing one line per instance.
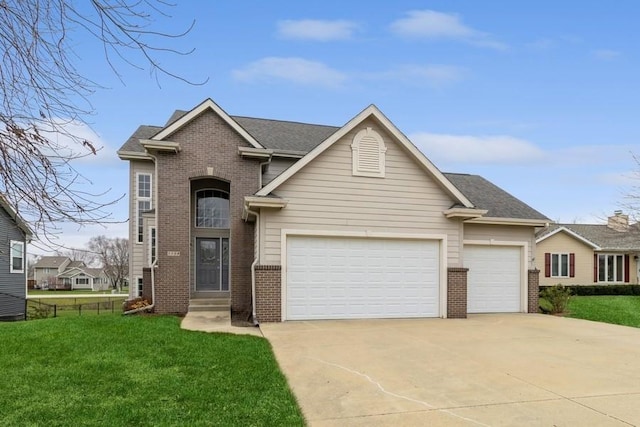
(488, 370)
(215, 321)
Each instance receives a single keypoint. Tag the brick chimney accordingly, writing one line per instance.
(618, 221)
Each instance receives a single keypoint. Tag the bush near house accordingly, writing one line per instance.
(589, 290)
(554, 299)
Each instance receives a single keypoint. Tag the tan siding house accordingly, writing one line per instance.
(281, 221)
(589, 254)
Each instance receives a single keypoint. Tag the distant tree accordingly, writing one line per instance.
(113, 254)
(31, 262)
(631, 203)
(43, 98)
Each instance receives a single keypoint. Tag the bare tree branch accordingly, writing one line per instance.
(43, 95)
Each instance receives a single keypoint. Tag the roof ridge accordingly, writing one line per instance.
(283, 121)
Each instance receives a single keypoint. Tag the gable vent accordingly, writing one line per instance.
(368, 151)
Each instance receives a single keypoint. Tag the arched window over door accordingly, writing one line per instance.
(212, 209)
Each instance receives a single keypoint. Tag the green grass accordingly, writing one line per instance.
(620, 310)
(138, 371)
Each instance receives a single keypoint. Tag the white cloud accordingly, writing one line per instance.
(69, 139)
(430, 75)
(496, 149)
(317, 30)
(432, 25)
(296, 70)
(606, 54)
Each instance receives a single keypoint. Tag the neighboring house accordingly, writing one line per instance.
(62, 271)
(588, 254)
(300, 221)
(14, 236)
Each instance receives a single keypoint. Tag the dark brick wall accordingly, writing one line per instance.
(534, 287)
(457, 293)
(268, 293)
(206, 142)
(146, 285)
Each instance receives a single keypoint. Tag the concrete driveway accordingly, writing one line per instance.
(495, 370)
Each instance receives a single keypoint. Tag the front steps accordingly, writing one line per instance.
(217, 306)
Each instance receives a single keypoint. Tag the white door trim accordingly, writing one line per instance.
(442, 238)
(524, 256)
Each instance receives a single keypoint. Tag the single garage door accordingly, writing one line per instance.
(357, 278)
(494, 278)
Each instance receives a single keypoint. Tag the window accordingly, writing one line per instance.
(82, 281)
(152, 245)
(559, 265)
(144, 200)
(612, 267)
(212, 209)
(368, 151)
(139, 289)
(17, 257)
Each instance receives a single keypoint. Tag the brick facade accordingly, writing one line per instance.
(209, 149)
(146, 285)
(268, 293)
(457, 293)
(534, 289)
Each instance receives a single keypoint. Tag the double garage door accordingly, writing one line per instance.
(350, 278)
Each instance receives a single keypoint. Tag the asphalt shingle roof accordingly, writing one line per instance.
(50, 261)
(303, 137)
(601, 235)
(485, 195)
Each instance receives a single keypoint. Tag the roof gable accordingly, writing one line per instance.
(562, 229)
(401, 139)
(208, 104)
(20, 223)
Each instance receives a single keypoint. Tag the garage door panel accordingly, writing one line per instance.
(340, 277)
(494, 278)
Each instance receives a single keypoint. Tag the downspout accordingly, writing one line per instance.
(155, 262)
(254, 314)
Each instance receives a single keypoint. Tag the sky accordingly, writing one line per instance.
(541, 98)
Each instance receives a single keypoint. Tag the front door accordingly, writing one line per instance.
(212, 264)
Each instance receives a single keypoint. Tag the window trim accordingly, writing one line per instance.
(139, 238)
(153, 245)
(362, 162)
(558, 256)
(615, 267)
(195, 213)
(22, 245)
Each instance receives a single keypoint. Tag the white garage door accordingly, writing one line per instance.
(356, 278)
(494, 278)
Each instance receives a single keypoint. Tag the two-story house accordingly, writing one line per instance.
(293, 221)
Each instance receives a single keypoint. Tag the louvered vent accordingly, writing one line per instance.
(368, 153)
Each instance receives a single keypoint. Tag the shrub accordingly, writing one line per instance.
(593, 290)
(557, 298)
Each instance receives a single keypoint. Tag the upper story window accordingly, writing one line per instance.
(212, 209)
(368, 154)
(17, 257)
(143, 204)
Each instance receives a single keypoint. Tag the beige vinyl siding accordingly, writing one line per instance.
(324, 195)
(561, 242)
(504, 233)
(275, 168)
(137, 251)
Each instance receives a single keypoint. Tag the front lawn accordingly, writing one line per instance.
(621, 310)
(141, 370)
